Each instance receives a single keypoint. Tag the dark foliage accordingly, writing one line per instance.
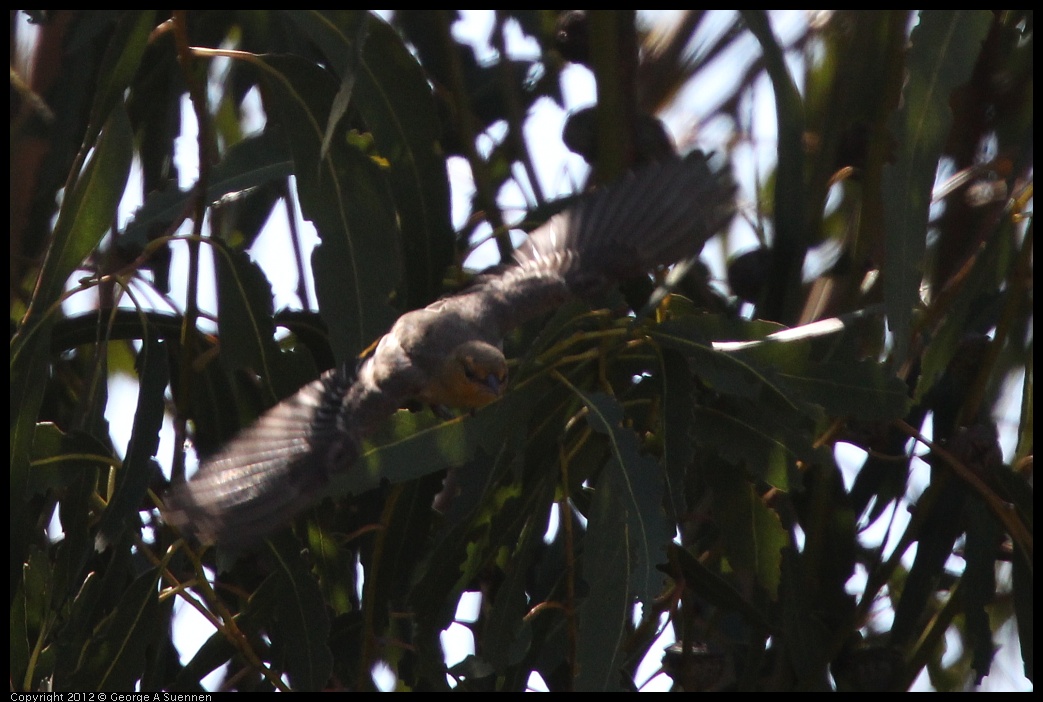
(687, 454)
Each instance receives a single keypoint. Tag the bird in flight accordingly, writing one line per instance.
(448, 354)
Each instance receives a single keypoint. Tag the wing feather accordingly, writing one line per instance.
(659, 215)
(279, 465)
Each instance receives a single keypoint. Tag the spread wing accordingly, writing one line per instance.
(271, 469)
(282, 463)
(659, 215)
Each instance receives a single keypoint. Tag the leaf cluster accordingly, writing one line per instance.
(684, 468)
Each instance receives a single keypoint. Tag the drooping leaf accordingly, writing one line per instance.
(636, 486)
(300, 626)
(244, 304)
(678, 416)
(345, 194)
(863, 390)
(122, 60)
(944, 47)
(139, 467)
(608, 561)
(390, 92)
(115, 652)
(752, 533)
(87, 212)
(712, 586)
(746, 435)
(978, 586)
(255, 161)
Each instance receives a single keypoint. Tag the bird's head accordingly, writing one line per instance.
(471, 376)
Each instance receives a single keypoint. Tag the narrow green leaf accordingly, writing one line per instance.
(395, 99)
(505, 632)
(715, 589)
(410, 445)
(678, 417)
(122, 60)
(941, 527)
(390, 91)
(608, 559)
(943, 49)
(863, 390)
(216, 651)
(245, 308)
(414, 444)
(978, 585)
(340, 36)
(30, 610)
(1025, 443)
(114, 656)
(255, 161)
(751, 437)
(804, 638)
(300, 626)
(974, 308)
(636, 481)
(86, 214)
(791, 221)
(27, 392)
(345, 194)
(752, 533)
(80, 626)
(727, 373)
(399, 548)
(139, 467)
